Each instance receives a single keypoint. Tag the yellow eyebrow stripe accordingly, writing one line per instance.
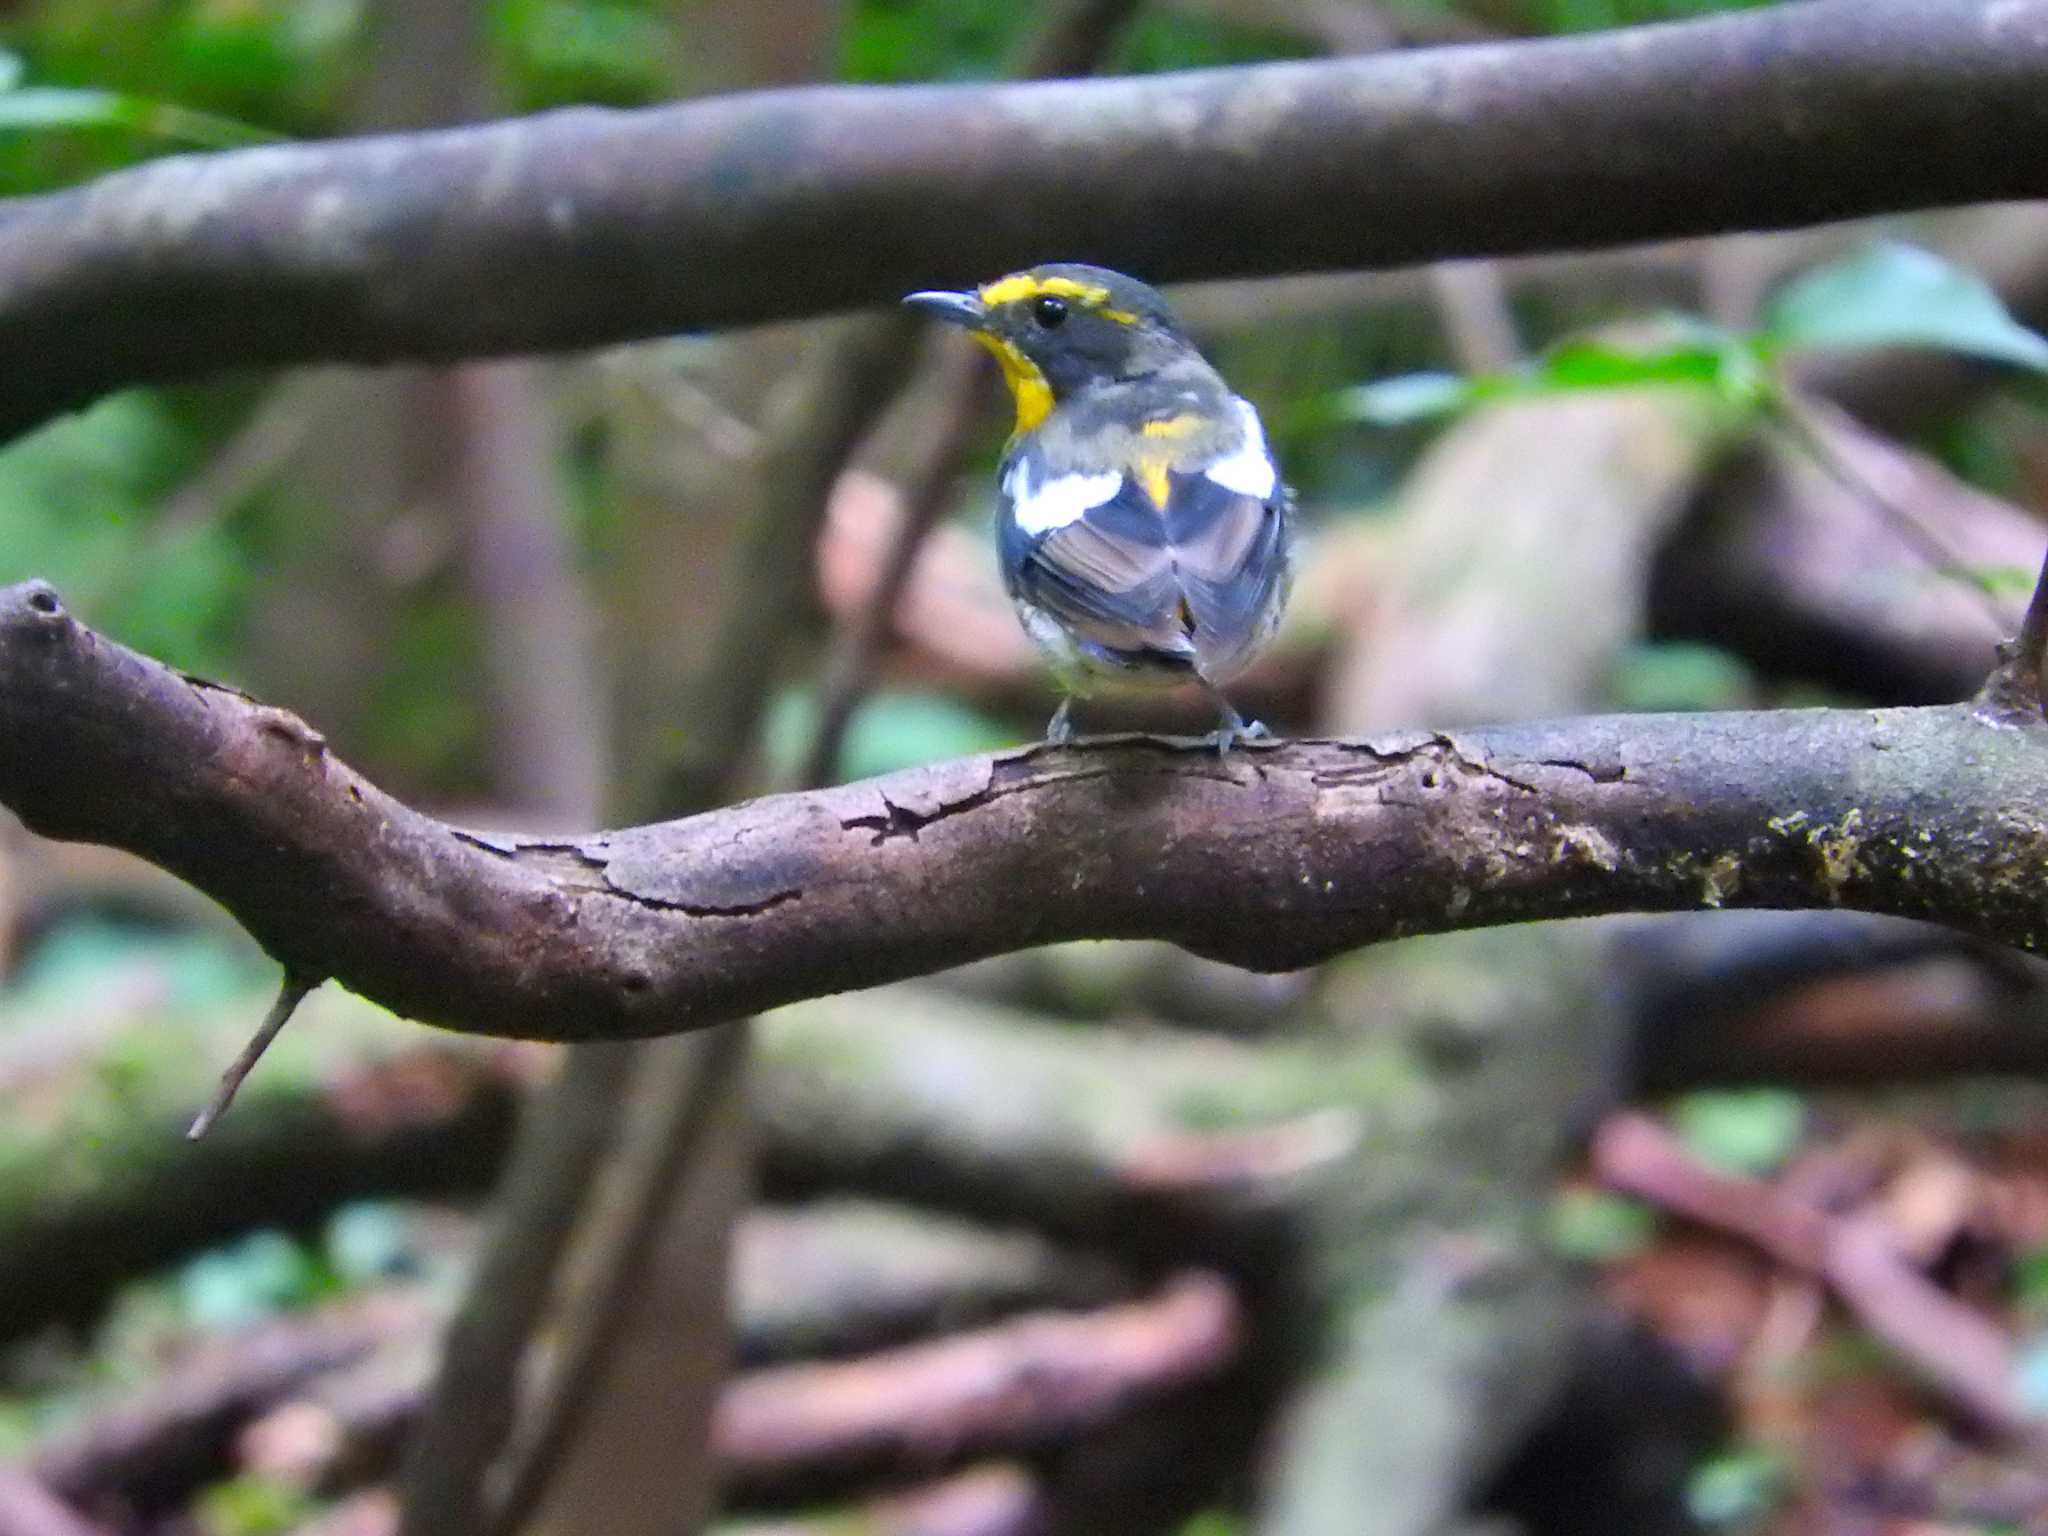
(1023, 285)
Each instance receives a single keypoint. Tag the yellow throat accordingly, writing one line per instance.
(1028, 389)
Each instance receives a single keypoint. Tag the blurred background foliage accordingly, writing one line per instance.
(168, 519)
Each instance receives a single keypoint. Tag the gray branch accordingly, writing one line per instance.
(586, 227)
(1276, 858)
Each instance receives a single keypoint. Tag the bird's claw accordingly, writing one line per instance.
(1060, 729)
(1234, 728)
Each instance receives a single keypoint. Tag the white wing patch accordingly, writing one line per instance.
(1248, 469)
(1042, 508)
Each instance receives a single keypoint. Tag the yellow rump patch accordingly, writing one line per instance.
(1184, 425)
(1152, 473)
(1028, 388)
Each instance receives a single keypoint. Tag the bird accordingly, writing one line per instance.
(1143, 529)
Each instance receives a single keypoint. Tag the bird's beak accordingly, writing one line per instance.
(962, 309)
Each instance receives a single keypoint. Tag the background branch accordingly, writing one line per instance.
(585, 227)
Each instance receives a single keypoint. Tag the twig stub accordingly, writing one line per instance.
(294, 991)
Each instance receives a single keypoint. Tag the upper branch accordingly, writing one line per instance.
(578, 228)
(1272, 859)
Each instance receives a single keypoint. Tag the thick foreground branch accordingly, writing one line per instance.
(1273, 859)
(585, 227)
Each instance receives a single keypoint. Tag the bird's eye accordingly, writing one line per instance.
(1049, 312)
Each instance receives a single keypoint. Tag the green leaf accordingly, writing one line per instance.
(1162, 39)
(902, 730)
(1594, 1226)
(79, 502)
(1751, 1131)
(616, 52)
(893, 41)
(1404, 400)
(368, 1241)
(252, 1504)
(62, 107)
(1668, 349)
(2030, 1276)
(1735, 1489)
(42, 108)
(888, 732)
(1891, 294)
(2031, 1377)
(1658, 676)
(1995, 580)
(1590, 363)
(190, 969)
(262, 1274)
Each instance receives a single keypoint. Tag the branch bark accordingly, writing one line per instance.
(1273, 859)
(586, 227)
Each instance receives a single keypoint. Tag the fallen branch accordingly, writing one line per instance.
(585, 227)
(1016, 1385)
(918, 1093)
(1025, 1383)
(1962, 1354)
(1275, 858)
(908, 1093)
(840, 1277)
(995, 1500)
(1901, 1021)
(154, 1439)
(325, 1400)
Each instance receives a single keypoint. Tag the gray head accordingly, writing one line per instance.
(1059, 326)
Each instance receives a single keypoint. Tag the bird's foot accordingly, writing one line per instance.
(1233, 728)
(1060, 729)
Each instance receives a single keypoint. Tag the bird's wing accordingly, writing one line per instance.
(1181, 564)
(1090, 551)
(1229, 553)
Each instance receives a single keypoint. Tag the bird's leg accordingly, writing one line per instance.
(1232, 727)
(1060, 729)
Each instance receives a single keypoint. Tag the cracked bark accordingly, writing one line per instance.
(585, 227)
(1273, 859)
